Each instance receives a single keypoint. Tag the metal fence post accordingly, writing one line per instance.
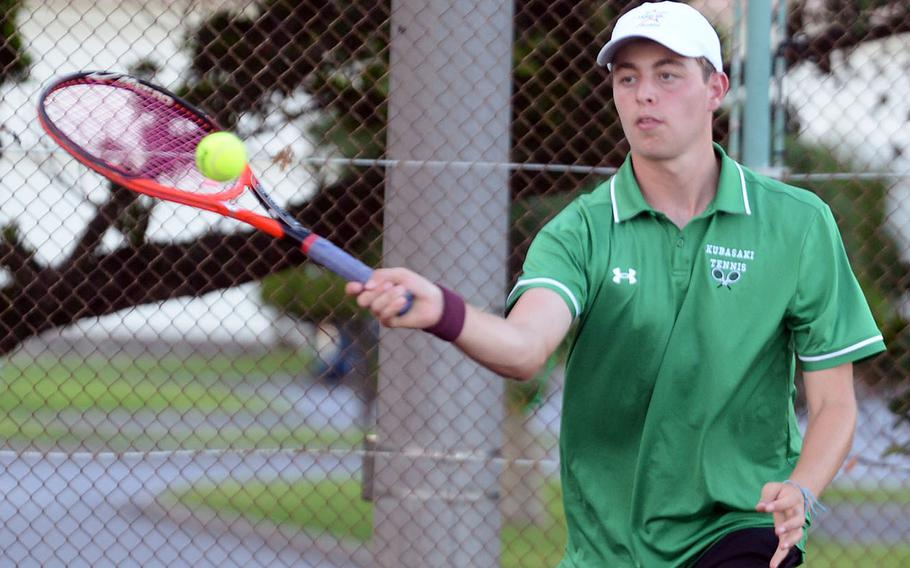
(436, 489)
(757, 120)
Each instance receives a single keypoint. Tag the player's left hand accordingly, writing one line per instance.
(785, 502)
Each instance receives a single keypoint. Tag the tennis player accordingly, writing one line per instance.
(695, 285)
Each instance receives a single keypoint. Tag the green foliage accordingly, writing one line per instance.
(133, 223)
(14, 61)
(859, 207)
(561, 100)
(281, 47)
(356, 98)
(309, 293)
(146, 68)
(315, 294)
(10, 233)
(530, 214)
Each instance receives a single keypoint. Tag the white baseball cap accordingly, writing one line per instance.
(676, 26)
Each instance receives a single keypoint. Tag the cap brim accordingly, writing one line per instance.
(608, 52)
(605, 57)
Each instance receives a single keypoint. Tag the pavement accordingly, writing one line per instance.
(103, 510)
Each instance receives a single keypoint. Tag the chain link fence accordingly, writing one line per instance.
(178, 390)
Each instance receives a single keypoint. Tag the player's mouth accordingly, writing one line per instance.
(648, 122)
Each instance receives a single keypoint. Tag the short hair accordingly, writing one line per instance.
(707, 68)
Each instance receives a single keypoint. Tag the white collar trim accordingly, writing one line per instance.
(613, 199)
(742, 183)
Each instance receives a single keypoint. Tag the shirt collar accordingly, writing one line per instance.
(732, 194)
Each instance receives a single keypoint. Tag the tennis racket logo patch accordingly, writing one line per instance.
(728, 265)
(630, 276)
(725, 278)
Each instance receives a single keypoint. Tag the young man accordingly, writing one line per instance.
(694, 284)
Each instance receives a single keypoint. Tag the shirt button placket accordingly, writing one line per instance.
(680, 266)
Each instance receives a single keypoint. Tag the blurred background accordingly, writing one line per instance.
(178, 390)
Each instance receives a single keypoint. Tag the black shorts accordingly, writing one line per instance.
(747, 548)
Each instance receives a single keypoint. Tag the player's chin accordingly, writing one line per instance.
(653, 149)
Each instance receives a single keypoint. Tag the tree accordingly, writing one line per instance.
(14, 61)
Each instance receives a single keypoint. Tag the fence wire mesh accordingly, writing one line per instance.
(180, 390)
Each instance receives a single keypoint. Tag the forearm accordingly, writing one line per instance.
(501, 345)
(515, 347)
(832, 417)
(829, 437)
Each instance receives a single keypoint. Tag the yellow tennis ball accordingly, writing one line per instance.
(221, 156)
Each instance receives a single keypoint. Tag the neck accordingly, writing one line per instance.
(681, 188)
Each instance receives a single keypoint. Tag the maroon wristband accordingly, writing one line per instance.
(449, 326)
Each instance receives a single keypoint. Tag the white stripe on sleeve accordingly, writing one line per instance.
(844, 351)
(550, 282)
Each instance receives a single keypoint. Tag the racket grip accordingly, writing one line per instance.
(340, 262)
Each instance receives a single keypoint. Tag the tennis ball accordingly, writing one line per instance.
(221, 156)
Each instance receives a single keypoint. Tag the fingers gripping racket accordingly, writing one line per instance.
(143, 137)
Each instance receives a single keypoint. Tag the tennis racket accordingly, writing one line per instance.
(142, 137)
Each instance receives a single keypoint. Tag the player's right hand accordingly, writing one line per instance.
(786, 502)
(384, 294)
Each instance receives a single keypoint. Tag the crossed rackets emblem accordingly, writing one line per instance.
(726, 279)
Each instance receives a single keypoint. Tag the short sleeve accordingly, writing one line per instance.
(830, 319)
(556, 260)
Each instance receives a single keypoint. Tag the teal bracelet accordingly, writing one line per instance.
(811, 504)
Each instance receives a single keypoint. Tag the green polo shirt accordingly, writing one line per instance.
(678, 402)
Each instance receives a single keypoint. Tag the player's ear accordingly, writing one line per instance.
(718, 85)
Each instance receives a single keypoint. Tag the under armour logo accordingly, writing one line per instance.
(619, 276)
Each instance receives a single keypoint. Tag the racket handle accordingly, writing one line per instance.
(324, 252)
(338, 261)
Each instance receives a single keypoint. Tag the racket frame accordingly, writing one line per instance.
(279, 223)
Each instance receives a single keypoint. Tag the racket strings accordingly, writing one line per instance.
(136, 132)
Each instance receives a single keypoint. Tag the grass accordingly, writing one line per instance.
(327, 507)
(141, 383)
(537, 546)
(68, 401)
(334, 507)
(874, 496)
(24, 430)
(823, 553)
